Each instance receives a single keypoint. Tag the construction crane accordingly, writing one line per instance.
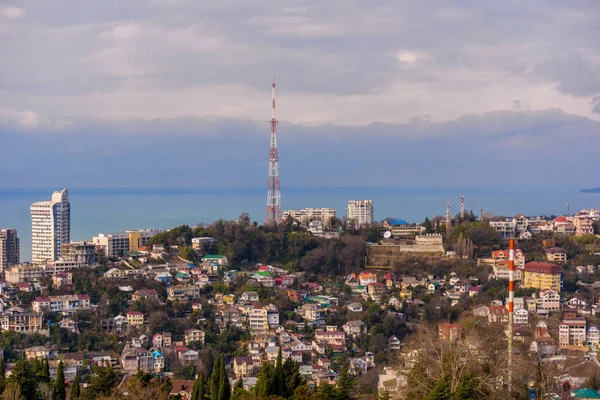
(568, 209)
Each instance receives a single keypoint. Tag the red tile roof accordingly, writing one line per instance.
(542, 267)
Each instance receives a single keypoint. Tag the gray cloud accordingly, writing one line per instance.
(387, 61)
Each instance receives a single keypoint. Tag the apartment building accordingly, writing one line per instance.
(118, 243)
(194, 336)
(66, 304)
(50, 227)
(257, 320)
(572, 332)
(83, 253)
(306, 215)
(359, 213)
(9, 248)
(24, 273)
(183, 292)
(542, 276)
(548, 300)
(556, 255)
(503, 255)
(18, 320)
(137, 358)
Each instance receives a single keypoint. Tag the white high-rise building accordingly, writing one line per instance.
(9, 248)
(359, 213)
(50, 227)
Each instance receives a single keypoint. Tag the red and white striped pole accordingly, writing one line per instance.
(511, 307)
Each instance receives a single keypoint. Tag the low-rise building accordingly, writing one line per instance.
(66, 304)
(194, 336)
(135, 318)
(183, 292)
(83, 253)
(556, 255)
(37, 353)
(62, 279)
(243, 366)
(548, 300)
(18, 320)
(572, 332)
(147, 294)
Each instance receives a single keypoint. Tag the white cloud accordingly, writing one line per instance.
(11, 12)
(28, 119)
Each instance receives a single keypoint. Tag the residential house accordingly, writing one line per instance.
(183, 292)
(593, 336)
(135, 318)
(147, 294)
(394, 343)
(194, 336)
(66, 304)
(449, 332)
(161, 339)
(355, 307)
(243, 366)
(498, 314)
(548, 300)
(312, 313)
(556, 255)
(572, 332)
(18, 320)
(187, 356)
(69, 325)
(249, 297)
(521, 317)
(62, 279)
(354, 328)
(37, 353)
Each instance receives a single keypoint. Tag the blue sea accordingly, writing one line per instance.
(95, 210)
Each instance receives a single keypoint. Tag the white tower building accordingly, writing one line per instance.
(50, 227)
(359, 213)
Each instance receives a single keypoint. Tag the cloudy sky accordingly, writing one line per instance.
(372, 92)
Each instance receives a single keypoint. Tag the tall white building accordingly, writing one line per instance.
(50, 227)
(9, 248)
(359, 213)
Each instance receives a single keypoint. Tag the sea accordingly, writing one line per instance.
(96, 210)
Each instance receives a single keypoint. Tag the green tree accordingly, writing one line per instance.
(59, 392)
(2, 375)
(13, 392)
(279, 378)
(199, 388)
(344, 385)
(215, 380)
(103, 381)
(291, 372)
(265, 385)
(428, 226)
(75, 389)
(23, 375)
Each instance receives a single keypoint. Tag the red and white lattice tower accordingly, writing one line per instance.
(273, 193)
(511, 308)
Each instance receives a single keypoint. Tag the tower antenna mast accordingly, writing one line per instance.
(273, 210)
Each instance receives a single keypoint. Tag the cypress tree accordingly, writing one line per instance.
(59, 392)
(215, 379)
(278, 378)
(75, 389)
(2, 375)
(345, 384)
(224, 386)
(46, 370)
(199, 388)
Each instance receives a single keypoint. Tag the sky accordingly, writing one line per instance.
(177, 92)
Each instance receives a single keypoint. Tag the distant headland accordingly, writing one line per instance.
(594, 190)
